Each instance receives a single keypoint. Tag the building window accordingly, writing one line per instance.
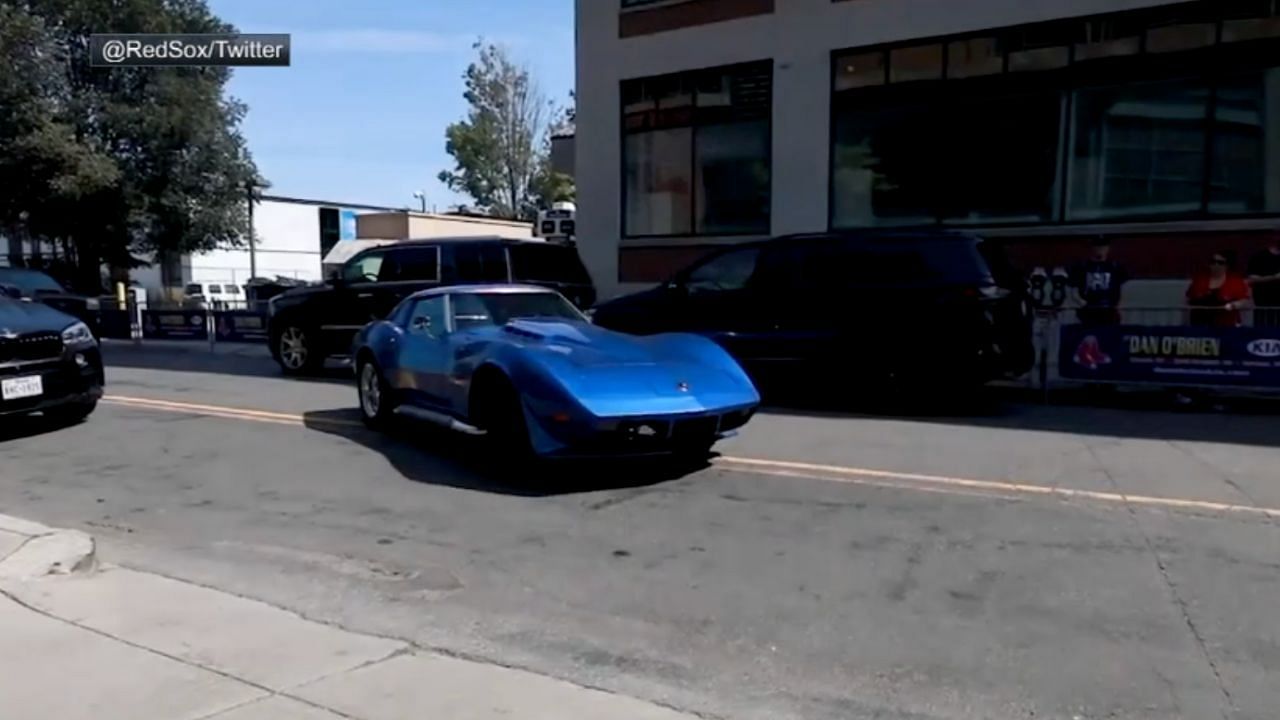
(1165, 112)
(1139, 150)
(696, 152)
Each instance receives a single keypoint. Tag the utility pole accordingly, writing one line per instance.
(253, 254)
(422, 197)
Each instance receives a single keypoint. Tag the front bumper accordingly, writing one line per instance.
(65, 381)
(641, 435)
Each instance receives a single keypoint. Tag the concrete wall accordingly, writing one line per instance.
(799, 36)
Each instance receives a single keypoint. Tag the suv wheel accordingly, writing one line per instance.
(295, 351)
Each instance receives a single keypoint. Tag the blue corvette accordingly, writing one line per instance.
(524, 367)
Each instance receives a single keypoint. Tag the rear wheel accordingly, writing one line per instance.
(376, 404)
(296, 351)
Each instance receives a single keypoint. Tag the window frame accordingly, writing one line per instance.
(446, 314)
(382, 250)
(392, 249)
(692, 76)
(1212, 64)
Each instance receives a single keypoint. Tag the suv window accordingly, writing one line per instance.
(215, 289)
(411, 263)
(906, 262)
(731, 271)
(363, 269)
(545, 262)
(480, 262)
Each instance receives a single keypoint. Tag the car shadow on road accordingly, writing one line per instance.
(249, 361)
(1149, 414)
(21, 427)
(424, 453)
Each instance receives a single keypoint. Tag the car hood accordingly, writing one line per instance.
(615, 374)
(20, 316)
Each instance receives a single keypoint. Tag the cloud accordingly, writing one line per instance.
(381, 41)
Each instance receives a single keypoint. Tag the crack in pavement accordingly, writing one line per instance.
(1178, 601)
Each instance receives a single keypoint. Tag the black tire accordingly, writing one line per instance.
(377, 403)
(501, 416)
(72, 413)
(295, 349)
(693, 453)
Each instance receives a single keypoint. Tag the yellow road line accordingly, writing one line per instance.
(782, 468)
(864, 476)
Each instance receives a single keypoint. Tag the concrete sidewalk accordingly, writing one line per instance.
(83, 641)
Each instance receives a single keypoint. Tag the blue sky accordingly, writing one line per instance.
(360, 115)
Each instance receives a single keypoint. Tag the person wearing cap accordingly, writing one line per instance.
(1098, 283)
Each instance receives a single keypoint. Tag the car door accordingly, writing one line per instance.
(349, 306)
(405, 271)
(723, 298)
(424, 354)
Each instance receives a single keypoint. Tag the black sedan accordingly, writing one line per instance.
(49, 363)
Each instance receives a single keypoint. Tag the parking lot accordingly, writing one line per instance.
(1018, 561)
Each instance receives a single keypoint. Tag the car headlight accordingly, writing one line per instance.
(77, 335)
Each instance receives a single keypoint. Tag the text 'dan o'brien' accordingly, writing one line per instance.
(250, 49)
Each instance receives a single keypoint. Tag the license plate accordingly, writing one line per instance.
(23, 387)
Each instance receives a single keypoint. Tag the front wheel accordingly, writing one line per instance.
(502, 419)
(376, 403)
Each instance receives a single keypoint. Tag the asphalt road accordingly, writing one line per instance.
(1024, 562)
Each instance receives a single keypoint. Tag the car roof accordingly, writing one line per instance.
(485, 289)
(414, 242)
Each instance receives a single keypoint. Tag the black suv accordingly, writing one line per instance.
(308, 325)
(926, 307)
(25, 283)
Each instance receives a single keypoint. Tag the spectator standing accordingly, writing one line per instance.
(1217, 295)
(1099, 284)
(1264, 278)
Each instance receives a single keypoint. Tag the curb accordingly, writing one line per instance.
(45, 551)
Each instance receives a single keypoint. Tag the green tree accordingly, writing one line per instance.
(150, 160)
(501, 150)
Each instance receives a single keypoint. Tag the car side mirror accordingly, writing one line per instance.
(336, 279)
(11, 291)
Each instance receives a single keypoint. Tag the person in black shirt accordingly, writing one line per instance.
(1264, 277)
(1098, 283)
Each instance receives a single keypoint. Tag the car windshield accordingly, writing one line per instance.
(479, 309)
(30, 282)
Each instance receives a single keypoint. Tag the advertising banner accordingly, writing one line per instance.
(1240, 357)
(175, 325)
(240, 326)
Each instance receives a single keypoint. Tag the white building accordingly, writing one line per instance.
(293, 237)
(705, 122)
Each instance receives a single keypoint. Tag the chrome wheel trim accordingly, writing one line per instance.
(370, 391)
(293, 348)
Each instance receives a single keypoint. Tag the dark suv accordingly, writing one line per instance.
(308, 325)
(926, 307)
(25, 283)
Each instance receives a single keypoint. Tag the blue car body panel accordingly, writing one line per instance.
(579, 383)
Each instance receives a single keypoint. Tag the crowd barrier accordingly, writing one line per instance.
(1182, 346)
(213, 325)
